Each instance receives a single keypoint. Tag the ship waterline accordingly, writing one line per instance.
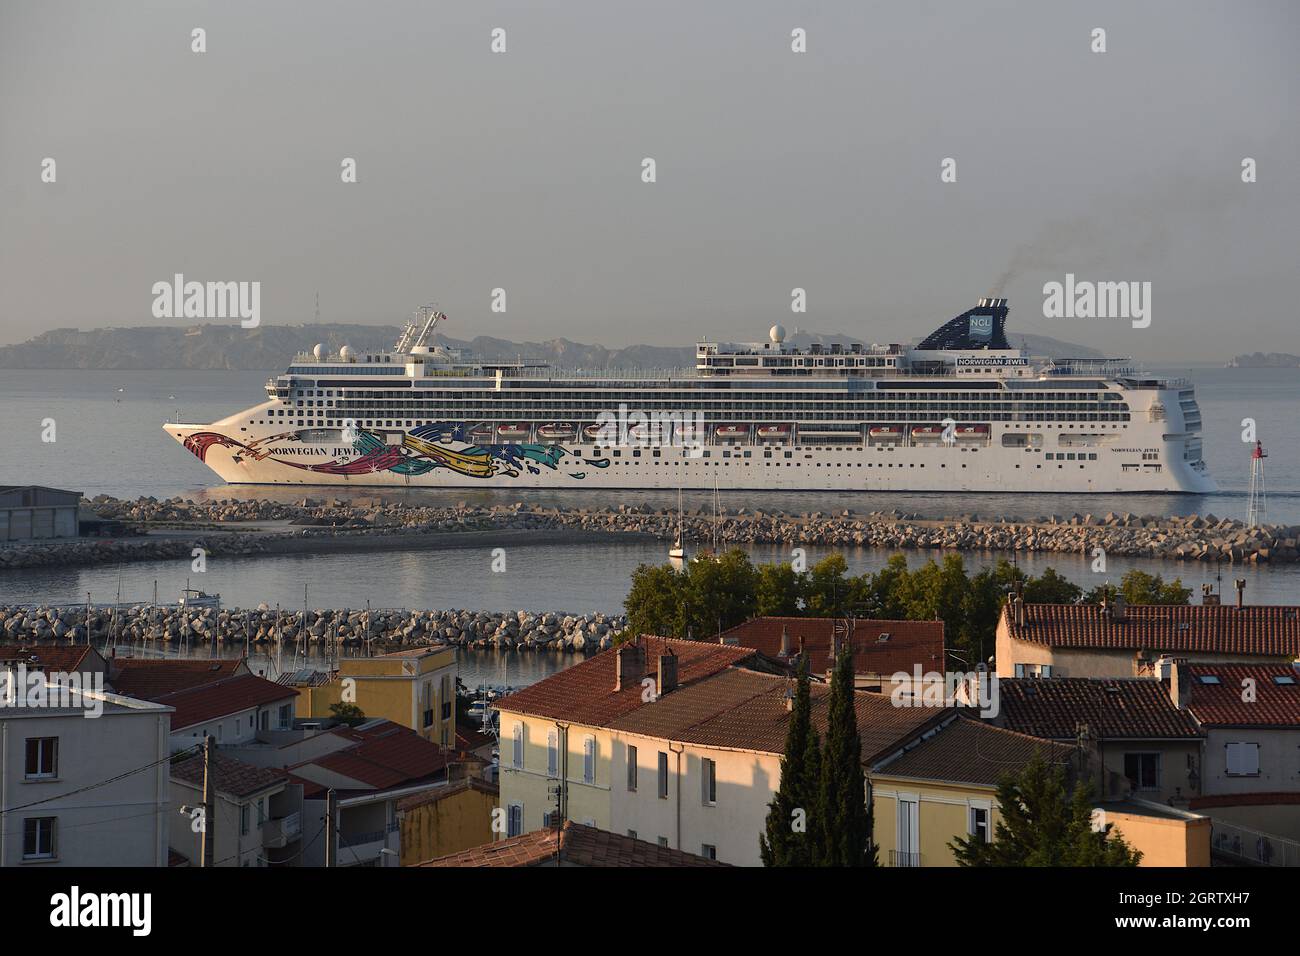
(962, 411)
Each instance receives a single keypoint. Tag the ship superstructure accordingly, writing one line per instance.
(962, 410)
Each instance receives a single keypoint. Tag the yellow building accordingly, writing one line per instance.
(449, 820)
(415, 688)
(944, 786)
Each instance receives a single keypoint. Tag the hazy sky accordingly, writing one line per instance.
(522, 170)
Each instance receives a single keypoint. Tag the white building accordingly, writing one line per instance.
(49, 755)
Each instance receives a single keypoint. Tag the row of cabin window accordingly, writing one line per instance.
(709, 774)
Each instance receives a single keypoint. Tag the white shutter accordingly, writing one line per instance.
(552, 754)
(589, 760)
(1250, 758)
(519, 746)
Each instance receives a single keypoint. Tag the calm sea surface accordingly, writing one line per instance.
(110, 441)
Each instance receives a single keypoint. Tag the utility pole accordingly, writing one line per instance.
(331, 828)
(206, 835)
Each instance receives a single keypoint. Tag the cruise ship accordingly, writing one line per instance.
(960, 411)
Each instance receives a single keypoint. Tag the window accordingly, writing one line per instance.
(515, 820)
(552, 754)
(1033, 670)
(663, 775)
(709, 772)
(518, 755)
(589, 760)
(42, 757)
(286, 715)
(261, 811)
(631, 769)
(663, 841)
(38, 838)
(632, 834)
(1243, 759)
(978, 825)
(263, 722)
(708, 851)
(243, 820)
(1143, 770)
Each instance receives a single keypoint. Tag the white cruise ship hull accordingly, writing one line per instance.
(961, 411)
(1118, 465)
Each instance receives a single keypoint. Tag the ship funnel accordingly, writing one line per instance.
(990, 303)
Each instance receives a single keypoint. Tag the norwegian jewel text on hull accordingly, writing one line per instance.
(962, 411)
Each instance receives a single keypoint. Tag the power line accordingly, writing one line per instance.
(102, 783)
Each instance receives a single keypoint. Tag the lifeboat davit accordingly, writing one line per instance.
(480, 434)
(512, 432)
(556, 431)
(732, 431)
(773, 432)
(885, 432)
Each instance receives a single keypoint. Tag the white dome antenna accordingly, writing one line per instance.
(777, 334)
(319, 351)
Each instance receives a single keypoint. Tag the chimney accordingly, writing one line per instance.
(1117, 613)
(1018, 607)
(1180, 688)
(667, 673)
(629, 667)
(1241, 592)
(785, 641)
(1208, 597)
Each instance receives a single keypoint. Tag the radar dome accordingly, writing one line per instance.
(318, 351)
(345, 353)
(777, 334)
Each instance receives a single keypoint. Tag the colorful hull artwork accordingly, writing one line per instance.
(419, 453)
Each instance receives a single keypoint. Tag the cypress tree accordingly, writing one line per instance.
(844, 818)
(790, 837)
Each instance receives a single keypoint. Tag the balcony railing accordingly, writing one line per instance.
(280, 832)
(1253, 846)
(903, 858)
(371, 836)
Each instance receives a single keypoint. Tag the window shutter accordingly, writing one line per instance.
(589, 760)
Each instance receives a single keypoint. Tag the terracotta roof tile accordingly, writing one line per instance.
(579, 845)
(150, 679)
(386, 755)
(908, 644)
(233, 777)
(1221, 705)
(441, 793)
(1132, 708)
(221, 698)
(1272, 631)
(65, 658)
(970, 751)
(746, 710)
(584, 693)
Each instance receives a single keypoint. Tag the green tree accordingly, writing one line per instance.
(1043, 822)
(349, 714)
(719, 593)
(842, 804)
(1139, 587)
(778, 591)
(792, 826)
(655, 603)
(1051, 588)
(827, 589)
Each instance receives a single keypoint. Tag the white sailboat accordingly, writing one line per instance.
(677, 553)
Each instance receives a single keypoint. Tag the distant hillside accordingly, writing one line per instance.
(1266, 360)
(270, 348)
